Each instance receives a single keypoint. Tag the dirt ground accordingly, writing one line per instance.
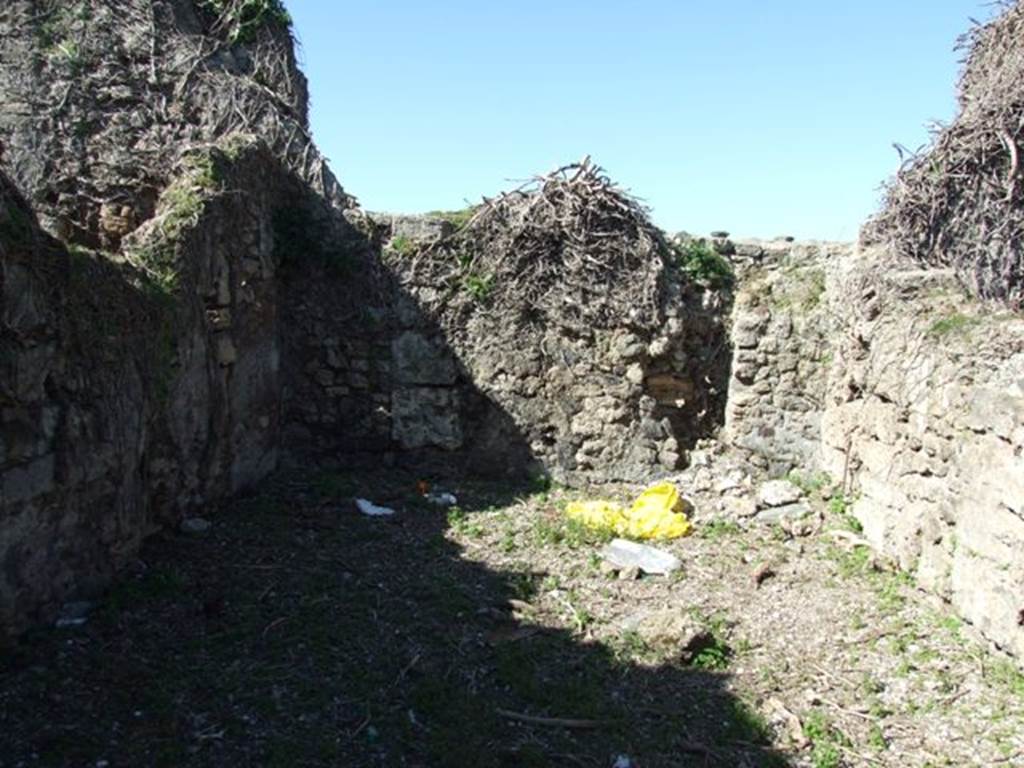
(297, 632)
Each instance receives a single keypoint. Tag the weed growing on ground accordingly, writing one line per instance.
(804, 290)
(561, 531)
(462, 523)
(716, 653)
(827, 742)
(850, 562)
(1006, 674)
(809, 483)
(713, 530)
(747, 724)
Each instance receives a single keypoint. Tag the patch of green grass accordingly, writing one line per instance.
(1006, 674)
(179, 208)
(839, 507)
(630, 648)
(463, 524)
(955, 324)
(69, 53)
(876, 738)
(243, 19)
(826, 740)
(562, 531)
(702, 263)
(582, 618)
(952, 624)
(56, 34)
(851, 562)
(809, 483)
(890, 594)
(525, 585)
(713, 530)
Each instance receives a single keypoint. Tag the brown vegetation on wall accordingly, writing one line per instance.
(960, 204)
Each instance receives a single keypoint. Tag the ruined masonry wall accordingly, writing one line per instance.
(124, 405)
(782, 333)
(373, 377)
(925, 418)
(908, 396)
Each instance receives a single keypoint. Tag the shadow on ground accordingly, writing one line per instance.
(298, 633)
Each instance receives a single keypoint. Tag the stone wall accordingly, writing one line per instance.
(373, 374)
(782, 333)
(925, 424)
(908, 396)
(102, 98)
(133, 390)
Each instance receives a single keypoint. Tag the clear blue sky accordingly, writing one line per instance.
(759, 117)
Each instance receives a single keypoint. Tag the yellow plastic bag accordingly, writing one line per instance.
(657, 513)
(601, 515)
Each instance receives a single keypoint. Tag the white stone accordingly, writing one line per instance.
(776, 493)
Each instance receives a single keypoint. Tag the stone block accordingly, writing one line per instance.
(417, 360)
(426, 417)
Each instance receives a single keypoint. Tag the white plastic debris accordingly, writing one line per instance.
(623, 761)
(74, 614)
(442, 499)
(194, 526)
(629, 554)
(370, 509)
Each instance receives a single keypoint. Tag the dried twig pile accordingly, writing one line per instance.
(569, 247)
(960, 204)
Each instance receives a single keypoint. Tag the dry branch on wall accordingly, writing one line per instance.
(556, 247)
(960, 203)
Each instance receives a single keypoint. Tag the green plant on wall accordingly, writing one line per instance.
(457, 219)
(479, 287)
(956, 324)
(243, 19)
(701, 262)
(59, 23)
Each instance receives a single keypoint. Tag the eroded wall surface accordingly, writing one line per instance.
(909, 396)
(925, 420)
(782, 333)
(375, 372)
(131, 395)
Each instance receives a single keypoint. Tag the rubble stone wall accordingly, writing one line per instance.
(130, 396)
(925, 422)
(908, 396)
(373, 374)
(782, 333)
